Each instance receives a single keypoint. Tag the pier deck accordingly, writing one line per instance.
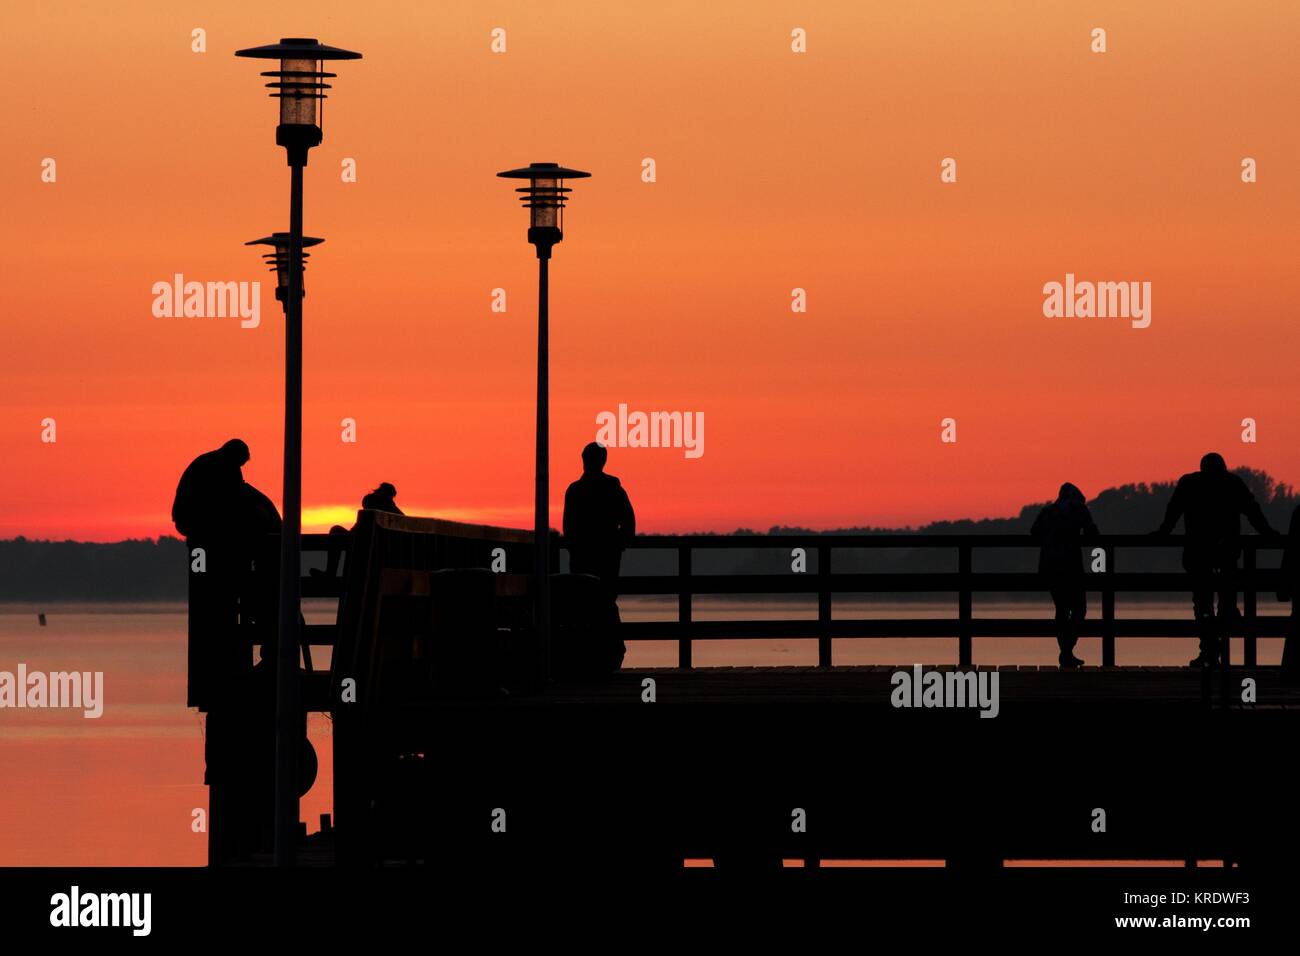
(871, 686)
(1184, 764)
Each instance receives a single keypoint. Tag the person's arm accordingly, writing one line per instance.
(1174, 511)
(1090, 529)
(1036, 529)
(1254, 513)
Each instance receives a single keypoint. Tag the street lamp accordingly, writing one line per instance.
(544, 197)
(300, 87)
(280, 263)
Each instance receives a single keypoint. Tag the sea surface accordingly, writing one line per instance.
(123, 789)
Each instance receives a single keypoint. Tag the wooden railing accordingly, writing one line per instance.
(825, 583)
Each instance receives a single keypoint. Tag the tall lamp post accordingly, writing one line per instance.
(299, 86)
(544, 197)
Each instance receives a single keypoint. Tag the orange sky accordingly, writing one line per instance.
(775, 171)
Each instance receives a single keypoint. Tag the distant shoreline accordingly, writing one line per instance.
(152, 571)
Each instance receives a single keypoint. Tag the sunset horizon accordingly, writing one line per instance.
(924, 298)
(468, 460)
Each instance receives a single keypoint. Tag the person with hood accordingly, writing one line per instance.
(228, 520)
(383, 498)
(1060, 528)
(1211, 502)
(210, 496)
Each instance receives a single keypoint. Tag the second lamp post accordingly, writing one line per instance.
(544, 197)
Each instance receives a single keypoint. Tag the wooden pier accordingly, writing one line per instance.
(440, 714)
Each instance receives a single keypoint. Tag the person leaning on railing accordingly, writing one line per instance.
(1060, 527)
(1211, 503)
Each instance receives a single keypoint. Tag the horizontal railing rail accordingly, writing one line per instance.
(964, 582)
(825, 583)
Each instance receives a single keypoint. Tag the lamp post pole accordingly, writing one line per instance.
(289, 291)
(288, 697)
(541, 505)
(299, 86)
(545, 197)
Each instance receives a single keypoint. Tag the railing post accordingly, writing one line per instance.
(684, 607)
(1251, 599)
(823, 606)
(964, 605)
(1108, 609)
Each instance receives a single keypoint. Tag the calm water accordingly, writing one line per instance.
(120, 790)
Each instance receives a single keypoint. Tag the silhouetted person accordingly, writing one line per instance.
(1290, 591)
(598, 520)
(383, 498)
(258, 518)
(233, 603)
(598, 524)
(1059, 526)
(217, 510)
(209, 496)
(236, 577)
(1211, 503)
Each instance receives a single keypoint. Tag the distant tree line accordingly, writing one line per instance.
(149, 570)
(1128, 509)
(135, 570)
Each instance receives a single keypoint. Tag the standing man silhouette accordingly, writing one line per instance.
(1059, 527)
(598, 520)
(1211, 503)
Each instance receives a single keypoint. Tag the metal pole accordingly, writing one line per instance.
(541, 505)
(288, 712)
(964, 628)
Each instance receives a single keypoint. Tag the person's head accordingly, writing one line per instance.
(236, 452)
(1213, 464)
(1070, 492)
(385, 490)
(594, 457)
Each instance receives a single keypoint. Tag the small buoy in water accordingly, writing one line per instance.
(41, 618)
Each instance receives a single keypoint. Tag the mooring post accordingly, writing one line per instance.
(1250, 597)
(964, 605)
(684, 606)
(823, 606)
(1108, 610)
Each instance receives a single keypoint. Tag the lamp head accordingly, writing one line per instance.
(300, 87)
(544, 197)
(280, 258)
